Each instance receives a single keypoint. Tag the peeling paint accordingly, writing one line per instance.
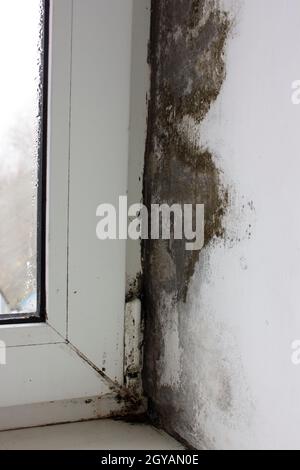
(133, 347)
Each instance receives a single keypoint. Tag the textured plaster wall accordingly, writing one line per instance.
(223, 131)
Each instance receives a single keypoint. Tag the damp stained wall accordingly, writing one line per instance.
(224, 132)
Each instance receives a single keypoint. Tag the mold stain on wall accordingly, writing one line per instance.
(187, 55)
(188, 70)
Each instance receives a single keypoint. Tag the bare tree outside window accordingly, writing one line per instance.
(21, 34)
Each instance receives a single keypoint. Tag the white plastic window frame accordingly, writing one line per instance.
(78, 352)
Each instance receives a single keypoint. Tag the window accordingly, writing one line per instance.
(23, 92)
(81, 340)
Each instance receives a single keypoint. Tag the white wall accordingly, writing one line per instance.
(243, 302)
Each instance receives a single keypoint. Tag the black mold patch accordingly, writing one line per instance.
(188, 39)
(134, 289)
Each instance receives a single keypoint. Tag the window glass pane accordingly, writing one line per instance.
(21, 52)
